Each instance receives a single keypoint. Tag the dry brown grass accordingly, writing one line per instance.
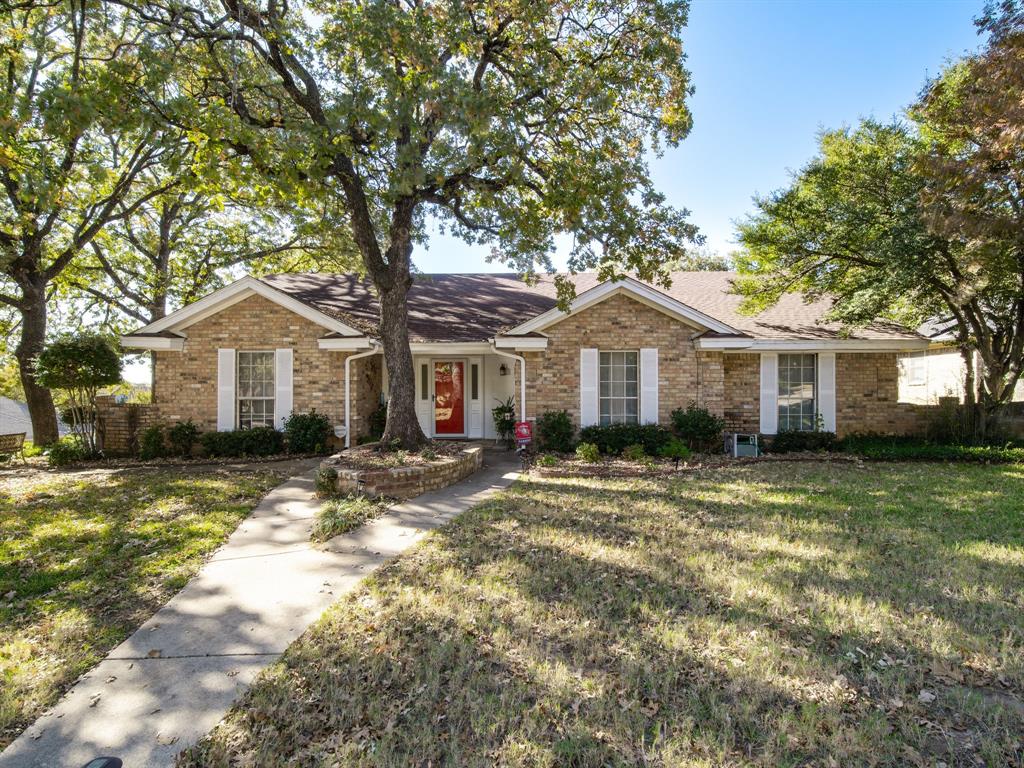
(774, 615)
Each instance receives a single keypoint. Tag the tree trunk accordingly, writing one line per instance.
(974, 425)
(33, 337)
(402, 424)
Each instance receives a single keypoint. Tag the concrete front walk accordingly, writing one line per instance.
(176, 677)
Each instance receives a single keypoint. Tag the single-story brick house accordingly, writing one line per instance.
(255, 351)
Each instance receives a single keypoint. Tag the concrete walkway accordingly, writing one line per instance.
(176, 677)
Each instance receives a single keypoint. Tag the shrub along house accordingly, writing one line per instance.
(255, 351)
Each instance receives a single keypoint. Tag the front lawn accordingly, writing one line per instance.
(86, 557)
(775, 614)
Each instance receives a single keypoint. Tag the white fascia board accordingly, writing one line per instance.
(450, 347)
(156, 343)
(346, 343)
(637, 290)
(241, 289)
(521, 343)
(810, 345)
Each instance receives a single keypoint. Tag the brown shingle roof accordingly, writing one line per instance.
(475, 307)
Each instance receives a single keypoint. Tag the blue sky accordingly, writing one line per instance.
(769, 76)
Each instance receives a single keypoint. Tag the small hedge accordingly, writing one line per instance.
(905, 448)
(697, 426)
(555, 432)
(308, 432)
(614, 438)
(258, 441)
(789, 441)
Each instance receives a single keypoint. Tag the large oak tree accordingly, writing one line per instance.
(510, 120)
(74, 140)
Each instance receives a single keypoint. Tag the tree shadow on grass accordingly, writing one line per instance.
(617, 624)
(84, 562)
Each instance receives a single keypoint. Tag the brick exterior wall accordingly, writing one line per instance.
(742, 409)
(119, 425)
(186, 381)
(867, 396)
(726, 384)
(620, 322)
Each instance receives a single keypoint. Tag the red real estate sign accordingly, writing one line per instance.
(524, 432)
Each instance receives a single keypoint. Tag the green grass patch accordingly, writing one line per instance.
(87, 557)
(805, 614)
(344, 514)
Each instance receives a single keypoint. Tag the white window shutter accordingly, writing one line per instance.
(589, 373)
(649, 386)
(827, 389)
(225, 390)
(282, 386)
(769, 393)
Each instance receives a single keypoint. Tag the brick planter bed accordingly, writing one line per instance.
(405, 482)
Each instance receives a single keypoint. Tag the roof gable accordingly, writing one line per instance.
(232, 294)
(641, 292)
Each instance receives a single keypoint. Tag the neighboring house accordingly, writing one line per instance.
(259, 349)
(14, 418)
(937, 371)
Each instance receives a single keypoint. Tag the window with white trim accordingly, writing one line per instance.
(916, 366)
(620, 388)
(255, 389)
(798, 392)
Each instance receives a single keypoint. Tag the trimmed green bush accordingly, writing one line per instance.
(588, 452)
(790, 441)
(181, 437)
(906, 448)
(307, 432)
(258, 441)
(634, 452)
(547, 460)
(151, 443)
(613, 438)
(68, 450)
(697, 426)
(555, 432)
(675, 449)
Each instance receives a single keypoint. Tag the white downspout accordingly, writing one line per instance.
(522, 378)
(373, 350)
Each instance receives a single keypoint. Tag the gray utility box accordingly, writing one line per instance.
(738, 444)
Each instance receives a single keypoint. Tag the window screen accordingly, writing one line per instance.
(797, 385)
(255, 389)
(620, 388)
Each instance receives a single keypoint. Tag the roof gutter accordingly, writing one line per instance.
(522, 377)
(374, 349)
(796, 345)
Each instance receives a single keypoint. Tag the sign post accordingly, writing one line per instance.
(523, 433)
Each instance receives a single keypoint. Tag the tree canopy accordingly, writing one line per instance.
(916, 221)
(511, 121)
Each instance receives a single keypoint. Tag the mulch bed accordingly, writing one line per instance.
(375, 456)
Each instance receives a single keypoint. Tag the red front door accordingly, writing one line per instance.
(449, 398)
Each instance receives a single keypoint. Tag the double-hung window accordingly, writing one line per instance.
(255, 389)
(798, 392)
(620, 388)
